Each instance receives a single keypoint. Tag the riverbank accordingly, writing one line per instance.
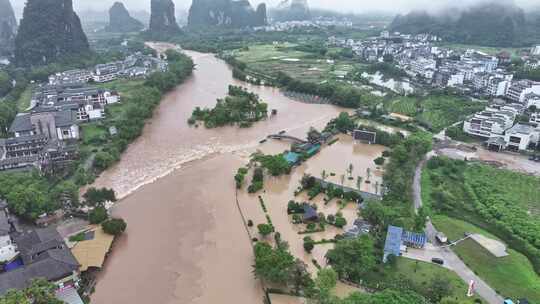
(178, 197)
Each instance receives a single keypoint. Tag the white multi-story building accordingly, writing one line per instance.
(520, 137)
(532, 99)
(424, 67)
(535, 50)
(519, 89)
(535, 119)
(497, 86)
(493, 121)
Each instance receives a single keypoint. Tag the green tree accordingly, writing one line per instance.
(114, 226)
(309, 244)
(95, 196)
(340, 222)
(438, 289)
(98, 215)
(5, 83)
(273, 265)
(344, 123)
(39, 292)
(265, 229)
(351, 259)
(325, 282)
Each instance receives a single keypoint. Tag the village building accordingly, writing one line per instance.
(71, 77)
(520, 89)
(493, 121)
(51, 123)
(88, 102)
(520, 137)
(42, 254)
(532, 99)
(398, 239)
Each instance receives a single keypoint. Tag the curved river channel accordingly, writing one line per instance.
(185, 241)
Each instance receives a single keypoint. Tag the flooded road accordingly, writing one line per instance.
(185, 241)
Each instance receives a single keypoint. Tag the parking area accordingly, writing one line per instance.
(426, 254)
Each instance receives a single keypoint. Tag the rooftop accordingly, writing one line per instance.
(521, 129)
(393, 241)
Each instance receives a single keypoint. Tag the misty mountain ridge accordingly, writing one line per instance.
(121, 21)
(493, 23)
(292, 10)
(49, 31)
(229, 13)
(163, 18)
(8, 27)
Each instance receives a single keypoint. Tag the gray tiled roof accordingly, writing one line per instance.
(521, 129)
(21, 123)
(65, 118)
(44, 255)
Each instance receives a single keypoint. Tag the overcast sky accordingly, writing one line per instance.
(358, 6)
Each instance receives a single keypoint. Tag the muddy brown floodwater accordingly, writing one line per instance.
(185, 241)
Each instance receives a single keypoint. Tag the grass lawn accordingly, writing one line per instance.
(420, 274)
(24, 101)
(404, 105)
(270, 59)
(512, 276)
(441, 111)
(92, 132)
(123, 86)
(516, 188)
(437, 111)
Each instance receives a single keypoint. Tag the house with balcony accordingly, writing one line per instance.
(532, 99)
(521, 137)
(518, 90)
(493, 121)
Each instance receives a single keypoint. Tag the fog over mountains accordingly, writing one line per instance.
(358, 6)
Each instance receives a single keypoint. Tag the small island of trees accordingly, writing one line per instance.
(239, 107)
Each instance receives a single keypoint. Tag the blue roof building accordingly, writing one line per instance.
(415, 240)
(292, 158)
(396, 238)
(393, 243)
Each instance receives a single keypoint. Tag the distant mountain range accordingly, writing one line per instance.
(49, 31)
(121, 21)
(8, 27)
(292, 10)
(487, 24)
(228, 13)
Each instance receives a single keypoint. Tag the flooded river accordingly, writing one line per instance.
(185, 241)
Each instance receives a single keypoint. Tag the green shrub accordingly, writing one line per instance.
(115, 226)
(340, 222)
(98, 215)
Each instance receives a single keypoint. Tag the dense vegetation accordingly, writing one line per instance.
(524, 73)
(39, 292)
(500, 201)
(437, 110)
(338, 94)
(239, 107)
(30, 195)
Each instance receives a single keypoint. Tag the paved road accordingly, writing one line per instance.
(451, 259)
